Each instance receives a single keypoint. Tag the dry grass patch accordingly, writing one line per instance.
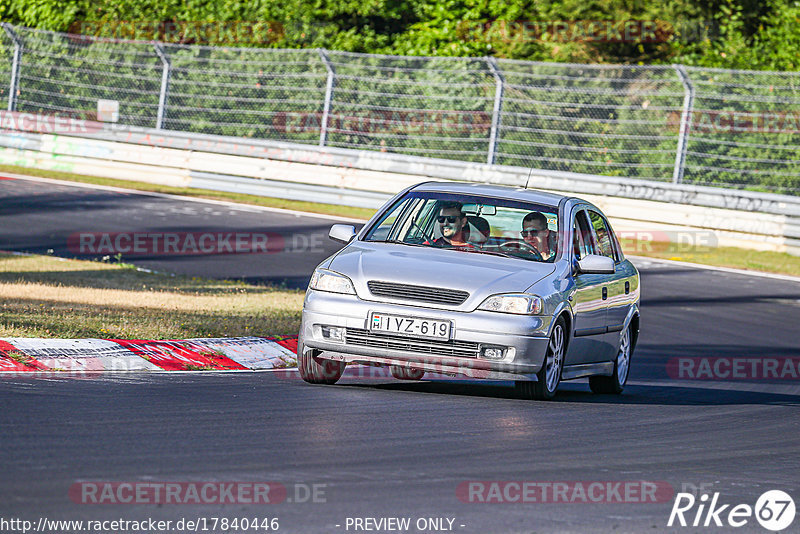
(48, 297)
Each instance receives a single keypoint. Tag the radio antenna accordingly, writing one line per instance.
(529, 177)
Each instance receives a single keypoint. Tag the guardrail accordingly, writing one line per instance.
(366, 179)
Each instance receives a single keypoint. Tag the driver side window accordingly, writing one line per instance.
(582, 236)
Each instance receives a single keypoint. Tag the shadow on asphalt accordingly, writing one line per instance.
(735, 299)
(580, 393)
(662, 352)
(661, 271)
(70, 202)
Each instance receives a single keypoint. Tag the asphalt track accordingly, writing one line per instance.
(41, 216)
(377, 447)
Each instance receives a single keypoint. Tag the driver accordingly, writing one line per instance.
(536, 233)
(452, 223)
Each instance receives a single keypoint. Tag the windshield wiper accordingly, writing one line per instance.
(490, 252)
(401, 242)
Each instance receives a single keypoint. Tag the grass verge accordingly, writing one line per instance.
(43, 296)
(772, 262)
(737, 258)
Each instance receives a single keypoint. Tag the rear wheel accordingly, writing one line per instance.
(406, 373)
(549, 376)
(615, 383)
(316, 370)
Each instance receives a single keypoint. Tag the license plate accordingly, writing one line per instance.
(410, 326)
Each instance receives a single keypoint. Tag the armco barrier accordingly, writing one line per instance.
(746, 219)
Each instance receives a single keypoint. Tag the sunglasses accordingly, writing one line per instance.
(531, 232)
(449, 218)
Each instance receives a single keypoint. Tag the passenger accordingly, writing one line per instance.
(536, 233)
(604, 246)
(451, 223)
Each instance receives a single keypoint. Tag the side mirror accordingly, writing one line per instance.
(342, 233)
(594, 264)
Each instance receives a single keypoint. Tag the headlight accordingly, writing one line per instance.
(324, 280)
(518, 303)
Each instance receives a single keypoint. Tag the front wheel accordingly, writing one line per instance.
(316, 370)
(615, 383)
(549, 375)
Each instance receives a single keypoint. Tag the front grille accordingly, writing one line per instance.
(365, 338)
(433, 295)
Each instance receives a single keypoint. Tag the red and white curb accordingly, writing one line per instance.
(82, 355)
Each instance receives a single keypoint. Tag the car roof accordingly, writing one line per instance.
(501, 191)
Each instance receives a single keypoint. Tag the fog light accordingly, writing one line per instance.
(334, 333)
(492, 353)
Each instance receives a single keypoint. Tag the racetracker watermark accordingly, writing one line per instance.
(584, 31)
(638, 241)
(356, 372)
(738, 122)
(376, 121)
(212, 523)
(216, 492)
(734, 368)
(436, 368)
(192, 243)
(564, 492)
(58, 123)
(66, 367)
(183, 31)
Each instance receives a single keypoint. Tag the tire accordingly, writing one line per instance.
(549, 375)
(406, 373)
(316, 370)
(615, 383)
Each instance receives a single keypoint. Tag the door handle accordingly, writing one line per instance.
(627, 287)
(605, 293)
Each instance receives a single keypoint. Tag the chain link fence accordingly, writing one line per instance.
(744, 129)
(662, 123)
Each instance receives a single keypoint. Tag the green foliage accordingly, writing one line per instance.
(43, 14)
(777, 43)
(712, 33)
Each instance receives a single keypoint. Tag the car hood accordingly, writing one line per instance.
(479, 274)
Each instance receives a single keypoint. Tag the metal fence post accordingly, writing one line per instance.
(496, 110)
(166, 70)
(326, 108)
(686, 123)
(15, 64)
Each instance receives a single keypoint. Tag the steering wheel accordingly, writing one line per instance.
(521, 246)
(421, 231)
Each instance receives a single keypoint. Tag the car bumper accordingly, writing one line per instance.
(522, 338)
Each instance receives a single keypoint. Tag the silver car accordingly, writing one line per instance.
(477, 280)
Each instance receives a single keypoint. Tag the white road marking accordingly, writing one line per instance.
(229, 204)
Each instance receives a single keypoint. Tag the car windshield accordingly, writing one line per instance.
(470, 223)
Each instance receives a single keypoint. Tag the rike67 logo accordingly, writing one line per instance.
(774, 510)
